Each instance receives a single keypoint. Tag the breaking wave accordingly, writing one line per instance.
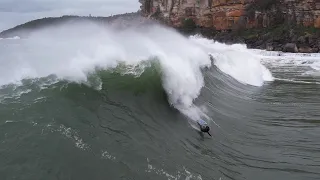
(72, 53)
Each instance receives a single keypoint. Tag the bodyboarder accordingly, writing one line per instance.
(203, 126)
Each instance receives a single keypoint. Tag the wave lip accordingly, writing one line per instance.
(72, 52)
(237, 61)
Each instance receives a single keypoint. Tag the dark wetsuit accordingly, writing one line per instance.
(203, 126)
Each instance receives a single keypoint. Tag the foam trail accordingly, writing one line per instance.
(311, 60)
(285, 54)
(11, 38)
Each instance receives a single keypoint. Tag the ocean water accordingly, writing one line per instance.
(84, 102)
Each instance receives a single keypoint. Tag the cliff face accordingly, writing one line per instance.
(231, 14)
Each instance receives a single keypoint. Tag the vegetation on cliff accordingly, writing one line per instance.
(275, 38)
(189, 24)
(261, 5)
(269, 7)
(23, 30)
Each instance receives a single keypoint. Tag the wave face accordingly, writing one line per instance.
(71, 52)
(82, 101)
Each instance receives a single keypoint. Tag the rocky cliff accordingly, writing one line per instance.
(231, 14)
(281, 25)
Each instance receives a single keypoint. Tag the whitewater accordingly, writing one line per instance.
(84, 101)
(72, 52)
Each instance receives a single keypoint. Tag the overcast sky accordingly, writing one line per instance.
(15, 12)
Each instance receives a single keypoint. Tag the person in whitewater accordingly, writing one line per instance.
(203, 126)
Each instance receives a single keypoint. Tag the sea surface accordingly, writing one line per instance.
(81, 102)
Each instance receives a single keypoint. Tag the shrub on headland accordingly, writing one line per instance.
(262, 5)
(266, 6)
(189, 23)
(23, 30)
(275, 37)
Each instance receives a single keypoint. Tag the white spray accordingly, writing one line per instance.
(237, 61)
(71, 51)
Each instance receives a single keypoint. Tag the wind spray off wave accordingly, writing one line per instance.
(237, 61)
(72, 51)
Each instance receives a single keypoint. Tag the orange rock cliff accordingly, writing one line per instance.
(231, 14)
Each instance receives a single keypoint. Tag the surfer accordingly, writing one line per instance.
(203, 126)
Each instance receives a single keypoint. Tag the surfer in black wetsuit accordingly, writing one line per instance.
(203, 126)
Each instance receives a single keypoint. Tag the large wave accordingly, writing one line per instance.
(237, 61)
(71, 52)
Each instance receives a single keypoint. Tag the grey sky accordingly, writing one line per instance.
(14, 12)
